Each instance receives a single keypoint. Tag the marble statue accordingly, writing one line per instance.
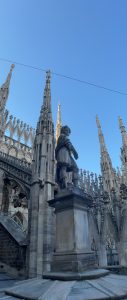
(64, 154)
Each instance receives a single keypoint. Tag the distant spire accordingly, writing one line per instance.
(4, 90)
(123, 150)
(123, 131)
(108, 174)
(100, 134)
(58, 123)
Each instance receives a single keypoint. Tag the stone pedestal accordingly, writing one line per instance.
(102, 255)
(72, 253)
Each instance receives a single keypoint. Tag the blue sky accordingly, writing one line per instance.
(86, 39)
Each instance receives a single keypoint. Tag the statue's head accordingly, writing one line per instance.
(65, 130)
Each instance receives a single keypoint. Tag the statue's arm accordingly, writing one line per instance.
(72, 149)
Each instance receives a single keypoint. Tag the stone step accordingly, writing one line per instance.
(32, 289)
(108, 287)
(5, 297)
(69, 276)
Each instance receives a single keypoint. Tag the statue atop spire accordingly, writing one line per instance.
(58, 123)
(4, 90)
(123, 131)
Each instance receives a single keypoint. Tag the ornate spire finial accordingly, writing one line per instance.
(98, 122)
(58, 123)
(48, 77)
(47, 92)
(7, 82)
(4, 90)
(121, 125)
(45, 119)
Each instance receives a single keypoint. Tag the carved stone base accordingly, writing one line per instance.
(73, 252)
(73, 262)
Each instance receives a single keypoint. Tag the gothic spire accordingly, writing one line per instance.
(42, 189)
(108, 172)
(101, 136)
(4, 90)
(123, 131)
(58, 123)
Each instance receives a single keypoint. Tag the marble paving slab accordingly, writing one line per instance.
(108, 287)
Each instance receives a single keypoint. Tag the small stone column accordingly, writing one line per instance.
(122, 251)
(72, 251)
(1, 188)
(102, 255)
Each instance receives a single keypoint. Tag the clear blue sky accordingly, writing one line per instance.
(86, 39)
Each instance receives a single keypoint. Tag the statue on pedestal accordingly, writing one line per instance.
(65, 161)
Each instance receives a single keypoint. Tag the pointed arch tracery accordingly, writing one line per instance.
(15, 200)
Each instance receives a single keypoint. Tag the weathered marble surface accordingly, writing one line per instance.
(108, 287)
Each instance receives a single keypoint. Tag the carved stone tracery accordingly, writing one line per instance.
(15, 201)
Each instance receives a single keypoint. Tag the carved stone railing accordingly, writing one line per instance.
(19, 129)
(91, 183)
(15, 148)
(12, 142)
(16, 137)
(17, 168)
